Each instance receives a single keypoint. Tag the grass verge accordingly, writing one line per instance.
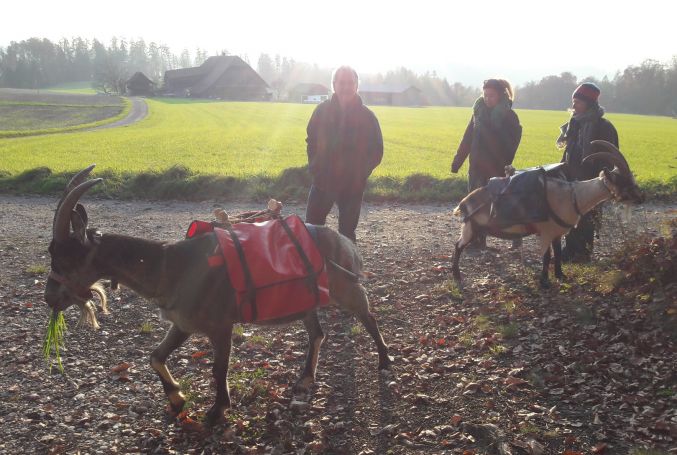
(180, 183)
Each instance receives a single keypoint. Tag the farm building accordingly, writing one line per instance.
(308, 93)
(395, 95)
(224, 77)
(140, 85)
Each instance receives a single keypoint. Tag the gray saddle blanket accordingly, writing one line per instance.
(520, 198)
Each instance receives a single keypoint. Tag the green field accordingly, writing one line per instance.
(214, 143)
(84, 87)
(32, 112)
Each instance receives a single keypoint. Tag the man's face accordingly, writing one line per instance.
(491, 97)
(345, 85)
(578, 106)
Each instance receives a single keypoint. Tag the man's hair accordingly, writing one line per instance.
(347, 68)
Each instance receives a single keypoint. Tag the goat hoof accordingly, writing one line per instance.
(176, 402)
(214, 415)
(385, 363)
(303, 385)
(545, 284)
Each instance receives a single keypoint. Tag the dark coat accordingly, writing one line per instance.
(496, 149)
(604, 130)
(344, 147)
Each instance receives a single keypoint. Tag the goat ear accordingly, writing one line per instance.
(82, 212)
(79, 227)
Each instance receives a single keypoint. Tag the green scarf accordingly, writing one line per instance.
(483, 116)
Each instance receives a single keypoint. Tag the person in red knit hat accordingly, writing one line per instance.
(587, 124)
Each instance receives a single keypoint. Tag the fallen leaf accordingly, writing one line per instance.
(120, 367)
(198, 354)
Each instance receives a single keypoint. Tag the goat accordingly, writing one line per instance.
(192, 296)
(567, 203)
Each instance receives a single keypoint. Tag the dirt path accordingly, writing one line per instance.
(138, 112)
(500, 362)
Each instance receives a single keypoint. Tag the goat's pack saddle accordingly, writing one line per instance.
(273, 263)
(521, 198)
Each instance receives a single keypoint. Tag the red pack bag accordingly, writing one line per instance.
(274, 267)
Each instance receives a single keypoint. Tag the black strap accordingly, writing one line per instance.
(552, 214)
(312, 276)
(251, 291)
(573, 197)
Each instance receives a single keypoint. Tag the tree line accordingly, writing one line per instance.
(38, 63)
(647, 88)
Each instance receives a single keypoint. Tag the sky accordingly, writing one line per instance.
(465, 41)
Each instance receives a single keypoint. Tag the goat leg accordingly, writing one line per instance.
(359, 296)
(158, 358)
(544, 280)
(557, 252)
(315, 340)
(221, 342)
(467, 235)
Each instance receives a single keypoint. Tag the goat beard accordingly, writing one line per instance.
(88, 309)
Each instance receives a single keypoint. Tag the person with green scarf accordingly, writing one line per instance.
(585, 125)
(490, 140)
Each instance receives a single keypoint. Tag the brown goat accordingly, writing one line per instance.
(567, 203)
(190, 294)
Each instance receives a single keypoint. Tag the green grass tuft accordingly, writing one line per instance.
(54, 339)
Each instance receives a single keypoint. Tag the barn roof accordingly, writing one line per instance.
(210, 72)
(139, 77)
(385, 88)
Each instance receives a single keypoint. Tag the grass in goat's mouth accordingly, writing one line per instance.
(54, 339)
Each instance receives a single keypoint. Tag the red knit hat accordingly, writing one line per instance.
(587, 92)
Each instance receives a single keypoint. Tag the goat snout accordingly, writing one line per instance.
(55, 296)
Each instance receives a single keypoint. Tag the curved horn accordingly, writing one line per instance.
(63, 214)
(79, 178)
(608, 157)
(614, 151)
(75, 181)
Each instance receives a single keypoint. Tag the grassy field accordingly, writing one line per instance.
(84, 87)
(220, 149)
(31, 112)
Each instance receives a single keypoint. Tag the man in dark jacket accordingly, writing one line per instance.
(344, 146)
(586, 124)
(491, 139)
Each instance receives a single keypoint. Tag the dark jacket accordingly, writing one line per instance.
(573, 155)
(495, 150)
(344, 147)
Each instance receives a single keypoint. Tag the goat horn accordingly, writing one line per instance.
(75, 181)
(63, 213)
(608, 157)
(614, 151)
